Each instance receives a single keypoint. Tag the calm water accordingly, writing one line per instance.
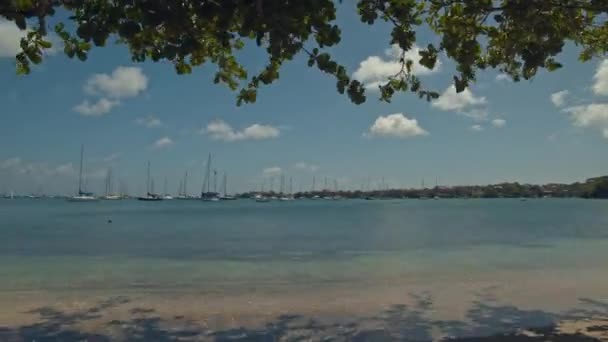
(231, 246)
(384, 270)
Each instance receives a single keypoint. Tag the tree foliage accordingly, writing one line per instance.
(516, 37)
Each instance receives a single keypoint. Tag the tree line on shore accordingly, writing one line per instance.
(592, 188)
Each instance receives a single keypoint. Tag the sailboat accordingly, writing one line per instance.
(110, 195)
(183, 189)
(336, 196)
(206, 194)
(82, 196)
(150, 196)
(225, 196)
(289, 196)
(260, 197)
(166, 195)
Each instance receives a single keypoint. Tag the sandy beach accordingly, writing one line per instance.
(533, 307)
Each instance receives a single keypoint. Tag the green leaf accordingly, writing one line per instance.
(45, 44)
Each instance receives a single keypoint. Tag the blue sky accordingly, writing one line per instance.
(300, 126)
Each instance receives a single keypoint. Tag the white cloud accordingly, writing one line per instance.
(123, 82)
(98, 174)
(65, 169)
(98, 108)
(450, 100)
(10, 39)
(395, 126)
(477, 128)
(111, 157)
(163, 142)
(477, 114)
(594, 115)
(559, 98)
(375, 70)
(306, 166)
(272, 171)
(600, 85)
(35, 169)
(499, 122)
(220, 130)
(10, 163)
(149, 121)
(502, 78)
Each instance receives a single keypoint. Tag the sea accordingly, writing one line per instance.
(182, 270)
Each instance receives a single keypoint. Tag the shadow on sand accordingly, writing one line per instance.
(486, 321)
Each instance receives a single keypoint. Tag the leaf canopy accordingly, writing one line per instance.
(516, 37)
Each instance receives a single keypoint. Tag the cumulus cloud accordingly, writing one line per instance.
(376, 70)
(272, 171)
(10, 163)
(163, 142)
(148, 121)
(559, 98)
(594, 115)
(10, 39)
(502, 78)
(220, 130)
(99, 108)
(499, 123)
(111, 157)
(395, 126)
(35, 169)
(600, 84)
(477, 114)
(306, 166)
(104, 159)
(65, 169)
(450, 100)
(123, 82)
(477, 128)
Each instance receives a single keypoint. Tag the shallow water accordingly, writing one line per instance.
(342, 258)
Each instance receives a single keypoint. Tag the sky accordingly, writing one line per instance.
(551, 129)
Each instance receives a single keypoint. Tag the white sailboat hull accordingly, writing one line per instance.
(82, 199)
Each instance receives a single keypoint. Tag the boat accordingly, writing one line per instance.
(225, 196)
(206, 194)
(150, 196)
(286, 197)
(113, 197)
(110, 195)
(183, 189)
(166, 195)
(82, 196)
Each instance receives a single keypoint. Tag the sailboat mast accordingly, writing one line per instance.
(111, 182)
(148, 180)
(186, 184)
(225, 185)
(80, 173)
(207, 180)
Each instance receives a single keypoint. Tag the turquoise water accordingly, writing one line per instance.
(228, 247)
